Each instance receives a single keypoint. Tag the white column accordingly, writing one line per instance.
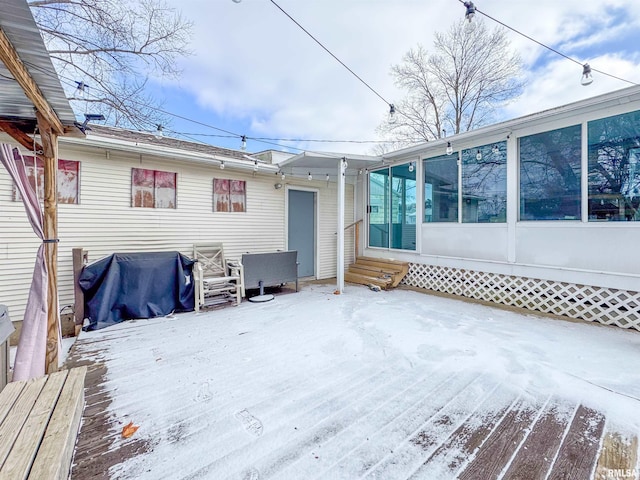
(342, 167)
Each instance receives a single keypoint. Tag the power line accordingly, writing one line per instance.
(230, 134)
(299, 140)
(545, 46)
(331, 53)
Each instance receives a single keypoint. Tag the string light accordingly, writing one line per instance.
(243, 142)
(392, 113)
(449, 148)
(587, 78)
(479, 155)
(411, 167)
(81, 89)
(159, 132)
(309, 177)
(471, 11)
(495, 150)
(331, 53)
(255, 165)
(222, 165)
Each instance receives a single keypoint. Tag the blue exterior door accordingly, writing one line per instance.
(302, 230)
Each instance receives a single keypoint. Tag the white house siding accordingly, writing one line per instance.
(328, 232)
(104, 222)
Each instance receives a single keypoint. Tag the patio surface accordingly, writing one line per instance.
(384, 385)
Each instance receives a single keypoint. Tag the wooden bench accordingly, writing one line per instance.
(39, 422)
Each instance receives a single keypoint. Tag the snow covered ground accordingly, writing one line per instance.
(314, 385)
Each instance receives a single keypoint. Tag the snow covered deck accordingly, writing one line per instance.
(387, 385)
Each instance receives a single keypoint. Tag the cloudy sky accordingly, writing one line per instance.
(255, 73)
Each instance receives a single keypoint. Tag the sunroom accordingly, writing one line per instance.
(539, 212)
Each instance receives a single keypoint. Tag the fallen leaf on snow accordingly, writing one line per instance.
(129, 429)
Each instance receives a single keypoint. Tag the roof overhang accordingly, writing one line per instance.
(28, 79)
(322, 164)
(109, 144)
(500, 131)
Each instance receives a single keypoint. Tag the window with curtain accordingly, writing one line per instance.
(153, 188)
(229, 195)
(68, 180)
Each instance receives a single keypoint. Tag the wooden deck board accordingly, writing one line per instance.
(52, 460)
(535, 456)
(501, 444)
(10, 428)
(18, 463)
(462, 443)
(618, 452)
(8, 396)
(579, 450)
(334, 423)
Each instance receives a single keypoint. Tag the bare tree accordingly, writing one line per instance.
(471, 73)
(110, 48)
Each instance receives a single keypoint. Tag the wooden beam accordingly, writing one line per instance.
(50, 160)
(19, 136)
(14, 64)
(79, 259)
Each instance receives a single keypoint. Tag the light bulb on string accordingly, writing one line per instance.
(255, 166)
(81, 89)
(495, 150)
(392, 113)
(309, 177)
(478, 155)
(471, 11)
(587, 78)
(243, 142)
(222, 165)
(449, 148)
(158, 133)
(411, 167)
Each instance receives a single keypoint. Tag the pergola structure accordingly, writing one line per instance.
(31, 97)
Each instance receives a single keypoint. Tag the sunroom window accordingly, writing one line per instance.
(614, 168)
(441, 189)
(484, 184)
(550, 175)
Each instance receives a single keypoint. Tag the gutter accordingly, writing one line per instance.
(171, 153)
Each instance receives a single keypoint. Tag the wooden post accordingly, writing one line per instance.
(50, 159)
(79, 260)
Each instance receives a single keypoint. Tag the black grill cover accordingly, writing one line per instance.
(125, 286)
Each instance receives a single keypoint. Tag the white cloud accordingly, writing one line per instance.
(253, 64)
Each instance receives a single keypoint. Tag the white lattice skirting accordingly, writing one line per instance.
(604, 305)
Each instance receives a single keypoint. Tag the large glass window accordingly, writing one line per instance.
(484, 184)
(614, 170)
(550, 175)
(392, 207)
(441, 189)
